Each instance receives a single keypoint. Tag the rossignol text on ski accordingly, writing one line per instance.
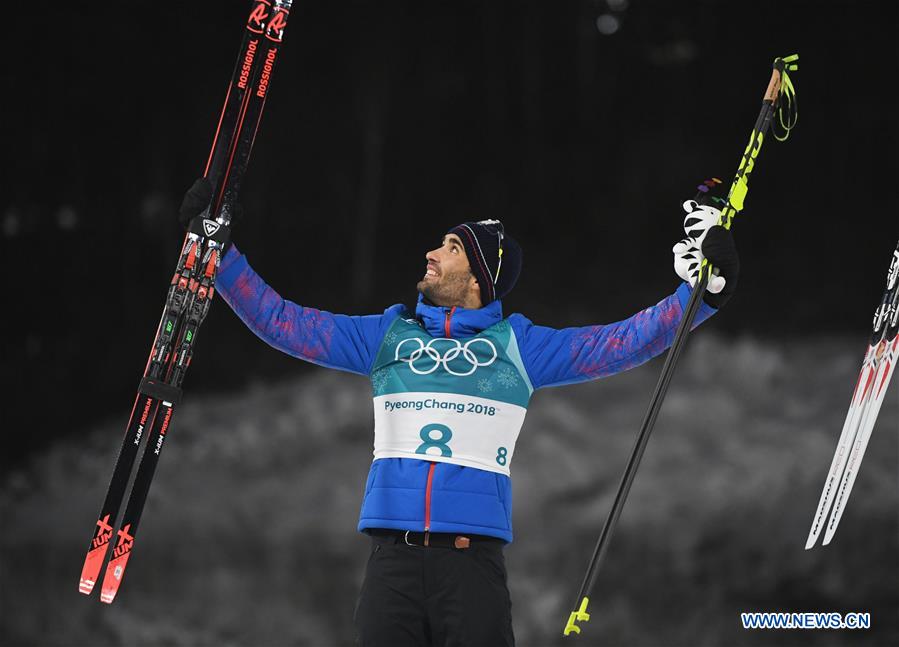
(189, 297)
(870, 391)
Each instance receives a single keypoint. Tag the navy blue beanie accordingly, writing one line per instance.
(494, 257)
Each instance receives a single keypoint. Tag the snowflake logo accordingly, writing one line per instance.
(484, 385)
(507, 378)
(390, 338)
(379, 380)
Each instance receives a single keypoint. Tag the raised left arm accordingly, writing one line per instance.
(554, 357)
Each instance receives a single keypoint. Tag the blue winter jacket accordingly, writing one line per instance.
(407, 493)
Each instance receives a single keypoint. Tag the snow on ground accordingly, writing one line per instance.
(248, 536)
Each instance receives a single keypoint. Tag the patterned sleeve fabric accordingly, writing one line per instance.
(554, 357)
(343, 342)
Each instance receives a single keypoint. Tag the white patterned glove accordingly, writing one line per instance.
(688, 252)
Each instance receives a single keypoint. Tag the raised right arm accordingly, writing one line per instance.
(344, 342)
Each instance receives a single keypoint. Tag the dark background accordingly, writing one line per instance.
(387, 123)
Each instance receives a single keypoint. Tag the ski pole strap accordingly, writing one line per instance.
(160, 390)
(788, 103)
(210, 229)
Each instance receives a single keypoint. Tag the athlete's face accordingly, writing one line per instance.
(448, 280)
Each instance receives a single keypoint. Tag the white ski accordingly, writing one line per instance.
(885, 369)
(841, 456)
(867, 398)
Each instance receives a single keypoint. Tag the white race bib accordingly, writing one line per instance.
(446, 427)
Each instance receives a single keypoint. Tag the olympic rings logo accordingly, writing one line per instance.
(448, 355)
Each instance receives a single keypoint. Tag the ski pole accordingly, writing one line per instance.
(779, 88)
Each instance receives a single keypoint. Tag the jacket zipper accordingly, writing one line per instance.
(446, 326)
(428, 501)
(446, 330)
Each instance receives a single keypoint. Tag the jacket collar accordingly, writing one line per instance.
(462, 321)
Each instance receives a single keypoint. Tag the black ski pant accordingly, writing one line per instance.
(434, 596)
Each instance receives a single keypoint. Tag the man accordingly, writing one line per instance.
(451, 383)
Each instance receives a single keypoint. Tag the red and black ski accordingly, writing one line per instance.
(189, 296)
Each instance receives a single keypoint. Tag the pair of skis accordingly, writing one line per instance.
(870, 391)
(188, 299)
(779, 100)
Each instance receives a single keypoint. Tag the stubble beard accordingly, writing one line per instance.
(449, 290)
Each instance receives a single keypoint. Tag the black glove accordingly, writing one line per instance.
(719, 247)
(197, 198)
(195, 201)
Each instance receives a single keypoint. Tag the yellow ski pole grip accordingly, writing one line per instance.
(581, 614)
